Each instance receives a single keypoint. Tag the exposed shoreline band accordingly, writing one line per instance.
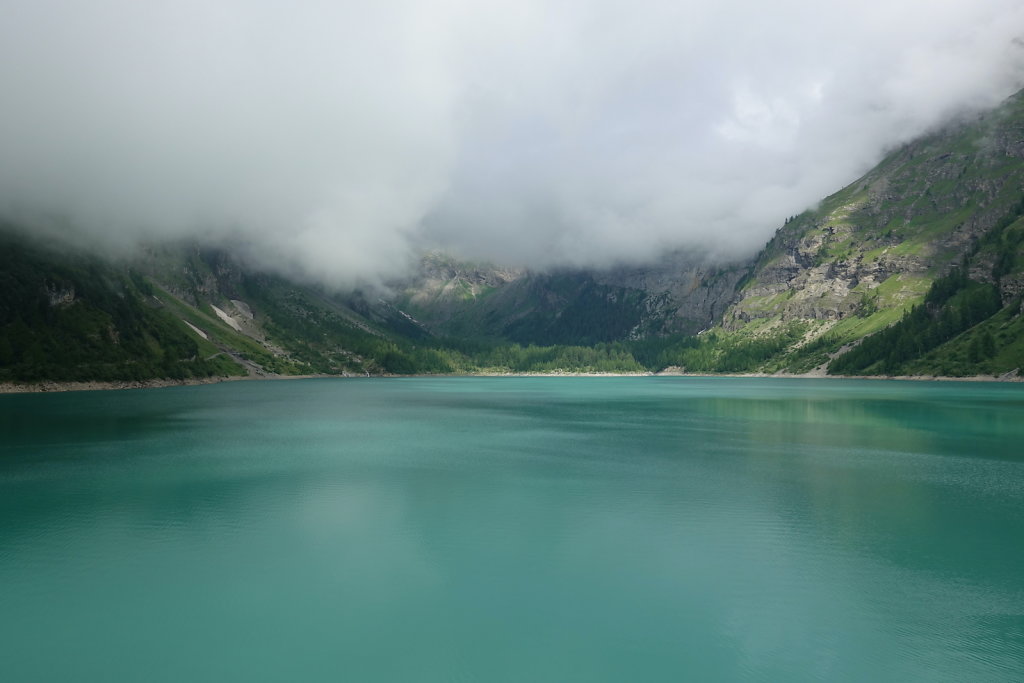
(56, 386)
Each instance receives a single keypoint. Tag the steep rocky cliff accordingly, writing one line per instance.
(680, 293)
(917, 267)
(874, 247)
(849, 267)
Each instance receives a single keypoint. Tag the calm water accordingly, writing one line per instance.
(527, 529)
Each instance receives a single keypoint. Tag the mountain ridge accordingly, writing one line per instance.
(915, 268)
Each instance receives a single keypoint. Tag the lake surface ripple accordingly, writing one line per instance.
(514, 529)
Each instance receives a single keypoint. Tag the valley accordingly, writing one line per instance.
(914, 269)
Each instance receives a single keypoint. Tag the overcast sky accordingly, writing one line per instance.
(337, 138)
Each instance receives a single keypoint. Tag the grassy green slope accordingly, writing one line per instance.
(864, 259)
(916, 268)
(75, 317)
(294, 328)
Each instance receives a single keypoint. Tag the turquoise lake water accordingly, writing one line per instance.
(514, 529)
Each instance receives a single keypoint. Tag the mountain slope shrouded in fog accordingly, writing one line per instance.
(338, 141)
(915, 268)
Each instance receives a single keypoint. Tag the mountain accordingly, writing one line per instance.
(916, 268)
(944, 209)
(933, 234)
(73, 316)
(180, 312)
(681, 293)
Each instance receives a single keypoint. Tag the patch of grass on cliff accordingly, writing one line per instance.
(884, 306)
(901, 290)
(766, 304)
(854, 328)
(953, 305)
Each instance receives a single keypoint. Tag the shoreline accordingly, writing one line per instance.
(1001, 379)
(55, 386)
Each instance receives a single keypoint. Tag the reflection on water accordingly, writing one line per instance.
(515, 529)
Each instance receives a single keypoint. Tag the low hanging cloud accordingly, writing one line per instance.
(335, 139)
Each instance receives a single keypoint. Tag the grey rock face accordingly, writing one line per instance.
(681, 293)
(684, 292)
(879, 241)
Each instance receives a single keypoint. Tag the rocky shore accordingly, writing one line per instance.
(52, 386)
